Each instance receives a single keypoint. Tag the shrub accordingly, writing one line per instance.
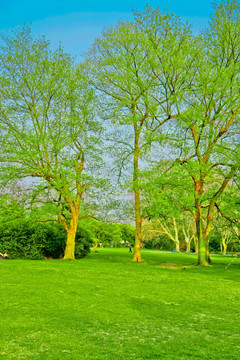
(28, 240)
(21, 240)
(84, 241)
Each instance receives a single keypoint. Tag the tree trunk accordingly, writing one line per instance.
(202, 258)
(176, 235)
(138, 219)
(225, 240)
(207, 253)
(187, 239)
(69, 253)
(201, 244)
(177, 247)
(196, 244)
(210, 211)
(138, 233)
(95, 246)
(188, 247)
(224, 248)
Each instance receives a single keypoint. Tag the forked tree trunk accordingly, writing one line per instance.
(174, 238)
(225, 241)
(188, 237)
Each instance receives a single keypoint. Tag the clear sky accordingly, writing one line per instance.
(77, 22)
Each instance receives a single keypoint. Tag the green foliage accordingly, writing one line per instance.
(127, 233)
(12, 204)
(159, 242)
(28, 240)
(109, 233)
(214, 244)
(22, 240)
(84, 241)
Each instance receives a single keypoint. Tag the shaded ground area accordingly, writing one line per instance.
(106, 307)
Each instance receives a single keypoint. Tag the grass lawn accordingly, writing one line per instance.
(106, 307)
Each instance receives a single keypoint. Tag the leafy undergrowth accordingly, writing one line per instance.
(107, 307)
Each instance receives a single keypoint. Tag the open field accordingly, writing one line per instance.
(106, 307)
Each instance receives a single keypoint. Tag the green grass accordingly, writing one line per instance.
(106, 307)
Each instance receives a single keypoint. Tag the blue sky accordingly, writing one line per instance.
(76, 23)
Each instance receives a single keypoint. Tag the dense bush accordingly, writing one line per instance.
(28, 240)
(160, 242)
(22, 240)
(214, 245)
(84, 241)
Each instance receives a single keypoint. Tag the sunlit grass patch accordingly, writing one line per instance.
(107, 307)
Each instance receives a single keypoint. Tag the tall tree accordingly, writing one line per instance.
(210, 152)
(47, 125)
(134, 66)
